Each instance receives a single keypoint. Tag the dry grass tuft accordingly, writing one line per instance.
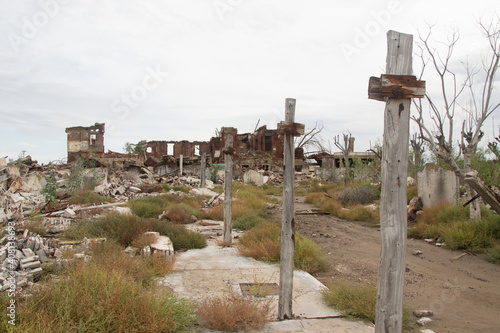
(234, 312)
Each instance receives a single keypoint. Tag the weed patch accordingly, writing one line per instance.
(97, 299)
(181, 237)
(411, 192)
(231, 313)
(263, 243)
(149, 206)
(35, 225)
(466, 235)
(493, 254)
(247, 221)
(359, 195)
(358, 300)
(88, 197)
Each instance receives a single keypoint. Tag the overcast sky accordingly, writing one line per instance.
(177, 70)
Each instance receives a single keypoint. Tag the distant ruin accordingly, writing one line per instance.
(262, 150)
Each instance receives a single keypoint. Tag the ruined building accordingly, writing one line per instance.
(262, 150)
(84, 141)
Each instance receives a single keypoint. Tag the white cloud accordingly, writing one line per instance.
(229, 71)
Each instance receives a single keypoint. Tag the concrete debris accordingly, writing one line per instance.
(416, 205)
(424, 321)
(24, 260)
(422, 313)
(252, 177)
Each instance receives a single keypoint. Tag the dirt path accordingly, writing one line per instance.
(464, 293)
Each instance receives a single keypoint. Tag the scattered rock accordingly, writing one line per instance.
(422, 313)
(416, 252)
(424, 321)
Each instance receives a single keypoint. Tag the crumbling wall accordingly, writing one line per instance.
(158, 149)
(85, 140)
(437, 186)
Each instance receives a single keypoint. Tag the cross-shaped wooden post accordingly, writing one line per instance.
(290, 130)
(397, 88)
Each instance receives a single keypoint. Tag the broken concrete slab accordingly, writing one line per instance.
(42, 255)
(163, 246)
(252, 177)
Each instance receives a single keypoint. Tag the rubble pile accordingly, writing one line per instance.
(21, 258)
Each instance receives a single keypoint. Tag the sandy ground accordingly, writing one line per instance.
(464, 294)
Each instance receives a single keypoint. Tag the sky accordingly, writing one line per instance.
(179, 70)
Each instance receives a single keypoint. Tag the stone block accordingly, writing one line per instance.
(69, 213)
(3, 253)
(28, 252)
(20, 255)
(42, 255)
(37, 271)
(31, 265)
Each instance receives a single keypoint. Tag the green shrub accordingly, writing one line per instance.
(87, 197)
(357, 300)
(122, 228)
(272, 190)
(96, 299)
(149, 206)
(110, 256)
(466, 235)
(309, 256)
(166, 187)
(181, 237)
(493, 254)
(181, 188)
(263, 243)
(411, 192)
(359, 195)
(190, 209)
(452, 213)
(491, 223)
(247, 221)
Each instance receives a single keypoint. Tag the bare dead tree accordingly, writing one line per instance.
(376, 149)
(345, 148)
(256, 126)
(439, 137)
(493, 147)
(311, 138)
(417, 145)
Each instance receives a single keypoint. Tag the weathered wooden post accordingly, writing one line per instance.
(396, 88)
(289, 129)
(181, 164)
(203, 167)
(228, 183)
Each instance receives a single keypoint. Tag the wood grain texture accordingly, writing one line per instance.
(393, 218)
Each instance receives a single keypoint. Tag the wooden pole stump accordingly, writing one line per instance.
(228, 184)
(288, 222)
(203, 167)
(181, 164)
